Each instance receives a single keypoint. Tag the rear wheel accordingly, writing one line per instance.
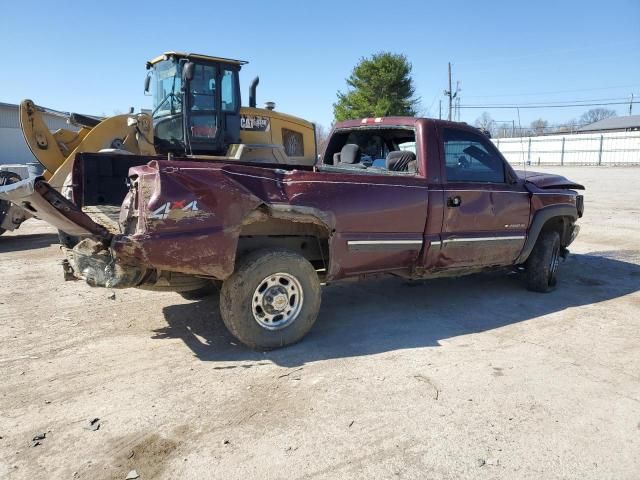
(542, 265)
(271, 300)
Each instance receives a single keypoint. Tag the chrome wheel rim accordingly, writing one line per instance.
(553, 264)
(277, 301)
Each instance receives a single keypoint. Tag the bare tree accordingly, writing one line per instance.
(569, 126)
(539, 126)
(504, 130)
(485, 122)
(322, 135)
(596, 114)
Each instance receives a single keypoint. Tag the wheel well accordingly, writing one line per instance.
(298, 232)
(562, 225)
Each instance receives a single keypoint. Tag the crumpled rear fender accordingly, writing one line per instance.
(188, 217)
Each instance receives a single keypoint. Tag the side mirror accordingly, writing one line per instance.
(147, 83)
(187, 71)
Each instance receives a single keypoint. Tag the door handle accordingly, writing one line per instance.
(454, 201)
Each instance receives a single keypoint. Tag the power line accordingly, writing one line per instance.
(559, 102)
(548, 105)
(554, 92)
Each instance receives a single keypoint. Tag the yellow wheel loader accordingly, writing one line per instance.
(196, 113)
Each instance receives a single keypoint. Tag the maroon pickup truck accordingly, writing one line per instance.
(411, 197)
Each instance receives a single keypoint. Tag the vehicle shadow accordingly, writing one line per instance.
(28, 241)
(391, 314)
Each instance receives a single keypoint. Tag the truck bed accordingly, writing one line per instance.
(105, 215)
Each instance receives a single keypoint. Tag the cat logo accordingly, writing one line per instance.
(255, 123)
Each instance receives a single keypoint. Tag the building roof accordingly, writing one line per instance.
(629, 122)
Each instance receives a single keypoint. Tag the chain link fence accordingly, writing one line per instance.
(619, 148)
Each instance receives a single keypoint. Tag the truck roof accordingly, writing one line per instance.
(391, 121)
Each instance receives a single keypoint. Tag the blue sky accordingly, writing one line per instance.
(90, 57)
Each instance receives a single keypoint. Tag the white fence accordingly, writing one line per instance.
(619, 148)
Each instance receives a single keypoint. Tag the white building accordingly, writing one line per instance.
(13, 148)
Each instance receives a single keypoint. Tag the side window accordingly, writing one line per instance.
(227, 89)
(203, 120)
(203, 88)
(468, 159)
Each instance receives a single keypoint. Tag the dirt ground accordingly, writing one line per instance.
(461, 378)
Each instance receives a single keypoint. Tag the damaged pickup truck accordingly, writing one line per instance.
(411, 197)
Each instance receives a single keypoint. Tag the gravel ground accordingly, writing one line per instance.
(456, 378)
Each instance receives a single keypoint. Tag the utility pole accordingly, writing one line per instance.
(631, 105)
(440, 111)
(456, 114)
(450, 93)
(450, 97)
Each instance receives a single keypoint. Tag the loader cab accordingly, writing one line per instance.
(196, 103)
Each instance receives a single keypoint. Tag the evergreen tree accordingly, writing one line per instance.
(380, 86)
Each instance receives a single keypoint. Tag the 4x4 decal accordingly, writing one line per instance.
(165, 210)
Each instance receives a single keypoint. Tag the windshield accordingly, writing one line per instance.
(167, 98)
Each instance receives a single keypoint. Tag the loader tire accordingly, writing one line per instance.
(271, 300)
(542, 265)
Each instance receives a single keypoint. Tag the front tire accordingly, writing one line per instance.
(542, 265)
(271, 300)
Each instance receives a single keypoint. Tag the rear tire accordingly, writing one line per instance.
(271, 300)
(542, 264)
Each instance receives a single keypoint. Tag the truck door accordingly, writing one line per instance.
(486, 211)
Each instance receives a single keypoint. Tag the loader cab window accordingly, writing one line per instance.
(167, 105)
(227, 88)
(203, 121)
(167, 99)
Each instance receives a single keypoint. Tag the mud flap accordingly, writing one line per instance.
(40, 199)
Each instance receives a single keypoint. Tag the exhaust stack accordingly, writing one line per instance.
(252, 92)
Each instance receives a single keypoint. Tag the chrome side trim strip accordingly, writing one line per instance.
(384, 242)
(384, 245)
(483, 239)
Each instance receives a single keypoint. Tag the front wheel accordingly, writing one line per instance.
(542, 264)
(271, 300)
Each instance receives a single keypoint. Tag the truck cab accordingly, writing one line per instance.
(478, 207)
